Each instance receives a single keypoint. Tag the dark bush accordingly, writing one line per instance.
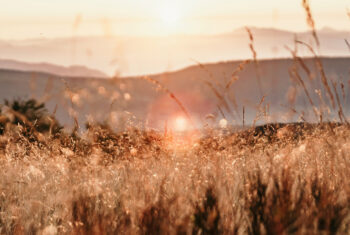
(33, 115)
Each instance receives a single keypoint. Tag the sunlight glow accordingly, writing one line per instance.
(180, 124)
(170, 14)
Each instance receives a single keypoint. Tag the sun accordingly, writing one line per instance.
(169, 14)
(180, 124)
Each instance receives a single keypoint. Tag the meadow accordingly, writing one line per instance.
(271, 179)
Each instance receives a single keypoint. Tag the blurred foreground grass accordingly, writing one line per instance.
(272, 179)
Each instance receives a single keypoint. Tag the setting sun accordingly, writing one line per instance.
(169, 14)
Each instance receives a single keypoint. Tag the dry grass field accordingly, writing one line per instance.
(271, 179)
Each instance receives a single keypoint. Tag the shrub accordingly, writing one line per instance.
(33, 116)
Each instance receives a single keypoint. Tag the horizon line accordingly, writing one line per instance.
(234, 30)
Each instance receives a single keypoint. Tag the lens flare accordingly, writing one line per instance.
(180, 124)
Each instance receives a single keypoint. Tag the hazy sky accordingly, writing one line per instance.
(61, 18)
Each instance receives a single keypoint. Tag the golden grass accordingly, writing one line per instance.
(266, 180)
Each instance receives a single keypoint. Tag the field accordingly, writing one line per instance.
(271, 179)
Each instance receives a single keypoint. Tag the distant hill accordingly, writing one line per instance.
(70, 71)
(200, 89)
(130, 56)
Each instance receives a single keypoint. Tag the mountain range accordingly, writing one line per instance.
(70, 71)
(130, 56)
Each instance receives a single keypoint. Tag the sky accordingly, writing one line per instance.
(23, 19)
